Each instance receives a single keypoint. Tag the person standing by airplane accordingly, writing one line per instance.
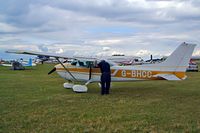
(105, 77)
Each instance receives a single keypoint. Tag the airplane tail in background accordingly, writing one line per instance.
(179, 59)
(30, 62)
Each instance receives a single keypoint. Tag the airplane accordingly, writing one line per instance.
(24, 63)
(28, 64)
(85, 70)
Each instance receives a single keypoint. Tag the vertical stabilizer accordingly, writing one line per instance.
(179, 59)
(30, 62)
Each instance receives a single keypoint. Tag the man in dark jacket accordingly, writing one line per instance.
(105, 77)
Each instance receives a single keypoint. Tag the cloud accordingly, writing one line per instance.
(117, 53)
(106, 48)
(60, 51)
(7, 28)
(84, 27)
(143, 52)
(197, 52)
(106, 42)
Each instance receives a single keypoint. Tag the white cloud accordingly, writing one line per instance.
(84, 27)
(197, 52)
(143, 53)
(4, 27)
(106, 48)
(60, 51)
(117, 53)
(21, 47)
(106, 42)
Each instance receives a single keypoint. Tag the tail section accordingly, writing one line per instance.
(174, 67)
(179, 59)
(30, 62)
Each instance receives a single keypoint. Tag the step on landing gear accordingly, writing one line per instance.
(76, 88)
(80, 88)
(68, 85)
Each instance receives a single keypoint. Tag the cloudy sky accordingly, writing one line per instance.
(99, 27)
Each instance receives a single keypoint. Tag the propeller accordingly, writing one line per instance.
(54, 69)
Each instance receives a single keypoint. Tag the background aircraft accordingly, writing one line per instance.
(28, 63)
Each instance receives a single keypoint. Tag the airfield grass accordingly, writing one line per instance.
(32, 102)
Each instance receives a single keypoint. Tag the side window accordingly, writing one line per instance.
(81, 63)
(74, 63)
(89, 63)
(93, 64)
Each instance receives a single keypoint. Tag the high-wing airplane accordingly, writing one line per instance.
(86, 71)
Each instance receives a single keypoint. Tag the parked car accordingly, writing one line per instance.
(193, 67)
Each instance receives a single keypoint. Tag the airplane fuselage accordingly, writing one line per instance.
(118, 73)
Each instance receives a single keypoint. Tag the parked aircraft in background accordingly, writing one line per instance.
(86, 71)
(192, 66)
(28, 63)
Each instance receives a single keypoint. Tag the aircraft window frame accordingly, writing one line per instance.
(79, 63)
(86, 64)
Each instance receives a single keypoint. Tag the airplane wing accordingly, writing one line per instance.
(56, 56)
(50, 55)
(61, 56)
(167, 76)
(36, 53)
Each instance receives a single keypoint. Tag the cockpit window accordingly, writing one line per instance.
(74, 63)
(87, 64)
(79, 63)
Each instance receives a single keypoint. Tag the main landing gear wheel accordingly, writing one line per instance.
(68, 85)
(80, 88)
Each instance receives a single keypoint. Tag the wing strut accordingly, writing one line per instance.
(90, 74)
(65, 68)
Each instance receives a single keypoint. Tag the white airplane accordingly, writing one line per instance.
(84, 69)
(28, 63)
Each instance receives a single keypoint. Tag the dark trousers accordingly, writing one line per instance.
(105, 83)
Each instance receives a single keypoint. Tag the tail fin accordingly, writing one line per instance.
(30, 62)
(179, 59)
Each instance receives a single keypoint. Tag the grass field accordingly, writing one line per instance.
(32, 102)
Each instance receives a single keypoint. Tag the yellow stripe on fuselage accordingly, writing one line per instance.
(119, 73)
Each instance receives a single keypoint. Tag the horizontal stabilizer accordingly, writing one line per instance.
(167, 76)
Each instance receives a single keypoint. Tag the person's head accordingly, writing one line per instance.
(103, 61)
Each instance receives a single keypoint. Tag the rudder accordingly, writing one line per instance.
(179, 59)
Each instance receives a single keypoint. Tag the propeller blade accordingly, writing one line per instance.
(54, 69)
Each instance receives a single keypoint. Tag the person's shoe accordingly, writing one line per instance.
(107, 92)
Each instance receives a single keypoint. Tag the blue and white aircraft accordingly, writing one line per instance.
(28, 63)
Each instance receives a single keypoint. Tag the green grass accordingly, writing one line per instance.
(32, 101)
